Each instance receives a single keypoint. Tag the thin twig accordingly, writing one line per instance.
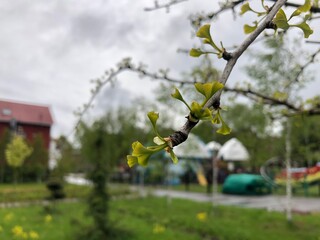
(302, 68)
(166, 5)
(314, 42)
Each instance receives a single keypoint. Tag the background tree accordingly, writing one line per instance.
(305, 140)
(16, 152)
(104, 144)
(253, 128)
(36, 164)
(67, 158)
(94, 142)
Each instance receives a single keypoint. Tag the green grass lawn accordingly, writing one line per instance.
(152, 218)
(38, 191)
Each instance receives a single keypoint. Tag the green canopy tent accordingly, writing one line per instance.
(246, 184)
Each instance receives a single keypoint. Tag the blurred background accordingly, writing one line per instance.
(78, 79)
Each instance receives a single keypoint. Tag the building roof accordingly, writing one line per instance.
(25, 113)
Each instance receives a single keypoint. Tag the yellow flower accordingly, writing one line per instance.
(158, 228)
(24, 235)
(33, 235)
(202, 216)
(8, 217)
(48, 218)
(17, 231)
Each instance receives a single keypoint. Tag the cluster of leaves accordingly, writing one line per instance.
(281, 20)
(141, 154)
(204, 33)
(199, 112)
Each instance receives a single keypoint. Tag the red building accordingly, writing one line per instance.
(26, 119)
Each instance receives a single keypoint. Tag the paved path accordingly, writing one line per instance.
(269, 202)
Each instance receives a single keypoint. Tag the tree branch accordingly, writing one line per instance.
(302, 68)
(166, 5)
(215, 100)
(197, 20)
(314, 42)
(181, 135)
(238, 52)
(295, 5)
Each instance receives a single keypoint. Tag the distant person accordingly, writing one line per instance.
(209, 179)
(187, 177)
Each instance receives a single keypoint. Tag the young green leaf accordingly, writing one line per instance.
(249, 29)
(204, 32)
(307, 31)
(216, 119)
(208, 89)
(177, 95)
(153, 117)
(281, 20)
(132, 160)
(245, 8)
(224, 129)
(200, 113)
(141, 154)
(196, 109)
(196, 52)
(304, 8)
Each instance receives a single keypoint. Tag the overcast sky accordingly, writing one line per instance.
(50, 50)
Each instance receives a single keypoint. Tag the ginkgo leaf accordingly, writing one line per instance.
(177, 95)
(204, 32)
(141, 154)
(303, 8)
(200, 113)
(132, 160)
(224, 129)
(196, 52)
(281, 20)
(307, 31)
(216, 119)
(249, 29)
(208, 89)
(245, 8)
(153, 117)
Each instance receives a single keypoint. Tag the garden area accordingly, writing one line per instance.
(137, 218)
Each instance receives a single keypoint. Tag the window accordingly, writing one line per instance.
(6, 111)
